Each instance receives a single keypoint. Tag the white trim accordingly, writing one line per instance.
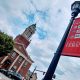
(4, 59)
(22, 55)
(22, 47)
(20, 66)
(13, 62)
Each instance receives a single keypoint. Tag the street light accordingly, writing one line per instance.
(75, 8)
(32, 73)
(38, 71)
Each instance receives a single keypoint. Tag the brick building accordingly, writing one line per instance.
(19, 60)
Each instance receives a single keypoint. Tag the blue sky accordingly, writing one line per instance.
(52, 18)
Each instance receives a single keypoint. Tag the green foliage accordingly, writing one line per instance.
(6, 44)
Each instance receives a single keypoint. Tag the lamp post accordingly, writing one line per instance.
(75, 8)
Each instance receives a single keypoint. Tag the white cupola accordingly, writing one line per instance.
(29, 31)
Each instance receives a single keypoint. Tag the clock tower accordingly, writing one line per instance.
(24, 38)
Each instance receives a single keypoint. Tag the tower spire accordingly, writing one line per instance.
(29, 31)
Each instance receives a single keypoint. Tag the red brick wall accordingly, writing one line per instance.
(23, 71)
(10, 58)
(24, 52)
(21, 39)
(17, 64)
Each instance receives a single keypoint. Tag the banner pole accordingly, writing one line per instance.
(50, 72)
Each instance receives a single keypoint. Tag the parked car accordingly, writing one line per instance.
(14, 75)
(4, 71)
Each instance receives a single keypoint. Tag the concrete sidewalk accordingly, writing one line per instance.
(3, 77)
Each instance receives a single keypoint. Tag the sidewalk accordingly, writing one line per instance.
(3, 77)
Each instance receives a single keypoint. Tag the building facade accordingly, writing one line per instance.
(19, 60)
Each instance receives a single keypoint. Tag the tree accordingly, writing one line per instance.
(6, 44)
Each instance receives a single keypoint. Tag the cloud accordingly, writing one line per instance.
(52, 18)
(5, 27)
(68, 68)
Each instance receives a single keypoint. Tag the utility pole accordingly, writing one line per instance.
(41, 71)
(75, 8)
(32, 73)
(36, 70)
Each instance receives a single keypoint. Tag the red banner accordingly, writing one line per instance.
(72, 45)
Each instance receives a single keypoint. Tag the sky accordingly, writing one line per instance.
(51, 18)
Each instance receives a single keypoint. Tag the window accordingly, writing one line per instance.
(25, 64)
(20, 59)
(28, 35)
(13, 54)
